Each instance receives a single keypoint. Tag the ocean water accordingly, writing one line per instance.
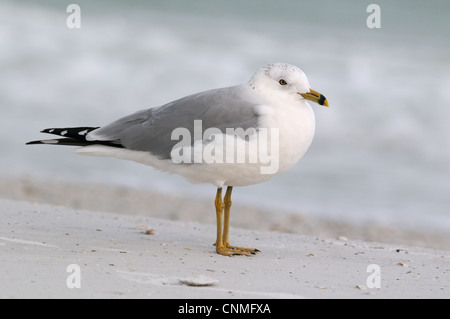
(381, 153)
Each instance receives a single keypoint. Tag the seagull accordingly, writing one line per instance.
(233, 136)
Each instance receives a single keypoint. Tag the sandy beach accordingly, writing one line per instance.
(139, 202)
(134, 255)
(364, 214)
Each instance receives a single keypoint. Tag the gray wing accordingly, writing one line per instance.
(150, 130)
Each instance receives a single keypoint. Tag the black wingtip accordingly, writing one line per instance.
(51, 131)
(73, 136)
(78, 133)
(43, 142)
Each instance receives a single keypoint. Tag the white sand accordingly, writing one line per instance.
(123, 256)
(140, 202)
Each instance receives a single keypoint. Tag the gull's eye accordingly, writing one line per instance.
(282, 82)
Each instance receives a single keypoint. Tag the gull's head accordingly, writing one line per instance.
(281, 80)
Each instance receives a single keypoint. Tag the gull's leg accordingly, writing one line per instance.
(226, 224)
(226, 228)
(219, 214)
(220, 248)
(226, 221)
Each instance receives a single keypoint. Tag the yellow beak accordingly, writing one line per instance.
(315, 96)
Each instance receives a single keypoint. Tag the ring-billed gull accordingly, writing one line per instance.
(234, 136)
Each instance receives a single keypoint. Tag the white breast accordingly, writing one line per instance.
(296, 124)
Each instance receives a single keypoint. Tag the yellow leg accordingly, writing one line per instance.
(219, 213)
(223, 246)
(226, 220)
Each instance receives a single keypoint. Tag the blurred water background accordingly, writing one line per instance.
(381, 152)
